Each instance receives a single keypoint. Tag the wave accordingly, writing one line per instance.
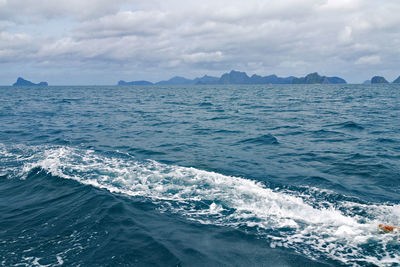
(266, 139)
(205, 104)
(350, 125)
(387, 140)
(313, 222)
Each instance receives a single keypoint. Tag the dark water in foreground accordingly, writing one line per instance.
(200, 175)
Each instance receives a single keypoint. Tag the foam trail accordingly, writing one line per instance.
(286, 219)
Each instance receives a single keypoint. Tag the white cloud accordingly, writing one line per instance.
(342, 4)
(203, 57)
(370, 60)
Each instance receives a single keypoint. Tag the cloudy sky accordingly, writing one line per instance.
(103, 41)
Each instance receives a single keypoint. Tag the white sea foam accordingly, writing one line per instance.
(60, 260)
(283, 217)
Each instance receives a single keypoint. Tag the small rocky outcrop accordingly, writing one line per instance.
(22, 82)
(397, 80)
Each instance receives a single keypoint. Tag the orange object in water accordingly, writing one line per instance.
(388, 228)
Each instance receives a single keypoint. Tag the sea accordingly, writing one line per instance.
(200, 175)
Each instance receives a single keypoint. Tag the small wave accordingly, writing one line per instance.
(358, 156)
(294, 133)
(304, 220)
(202, 131)
(145, 151)
(351, 125)
(386, 140)
(218, 110)
(69, 100)
(176, 103)
(205, 104)
(219, 118)
(266, 139)
(325, 133)
(223, 131)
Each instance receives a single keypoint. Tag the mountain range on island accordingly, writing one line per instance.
(237, 77)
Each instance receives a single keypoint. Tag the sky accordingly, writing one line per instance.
(99, 42)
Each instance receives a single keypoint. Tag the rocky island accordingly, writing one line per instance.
(315, 78)
(378, 79)
(22, 82)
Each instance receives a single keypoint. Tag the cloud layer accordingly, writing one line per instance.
(101, 41)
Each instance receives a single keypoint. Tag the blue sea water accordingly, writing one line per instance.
(278, 175)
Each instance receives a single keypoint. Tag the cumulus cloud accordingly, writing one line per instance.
(287, 37)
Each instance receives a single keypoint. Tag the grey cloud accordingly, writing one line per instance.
(124, 23)
(31, 11)
(23, 10)
(286, 37)
(17, 47)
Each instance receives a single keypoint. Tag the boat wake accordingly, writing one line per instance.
(313, 222)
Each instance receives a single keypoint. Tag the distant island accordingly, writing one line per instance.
(378, 79)
(367, 82)
(314, 78)
(237, 77)
(22, 82)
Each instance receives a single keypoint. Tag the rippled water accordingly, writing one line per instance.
(199, 175)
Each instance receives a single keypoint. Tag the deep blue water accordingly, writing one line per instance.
(200, 175)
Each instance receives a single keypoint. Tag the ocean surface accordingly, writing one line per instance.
(278, 175)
